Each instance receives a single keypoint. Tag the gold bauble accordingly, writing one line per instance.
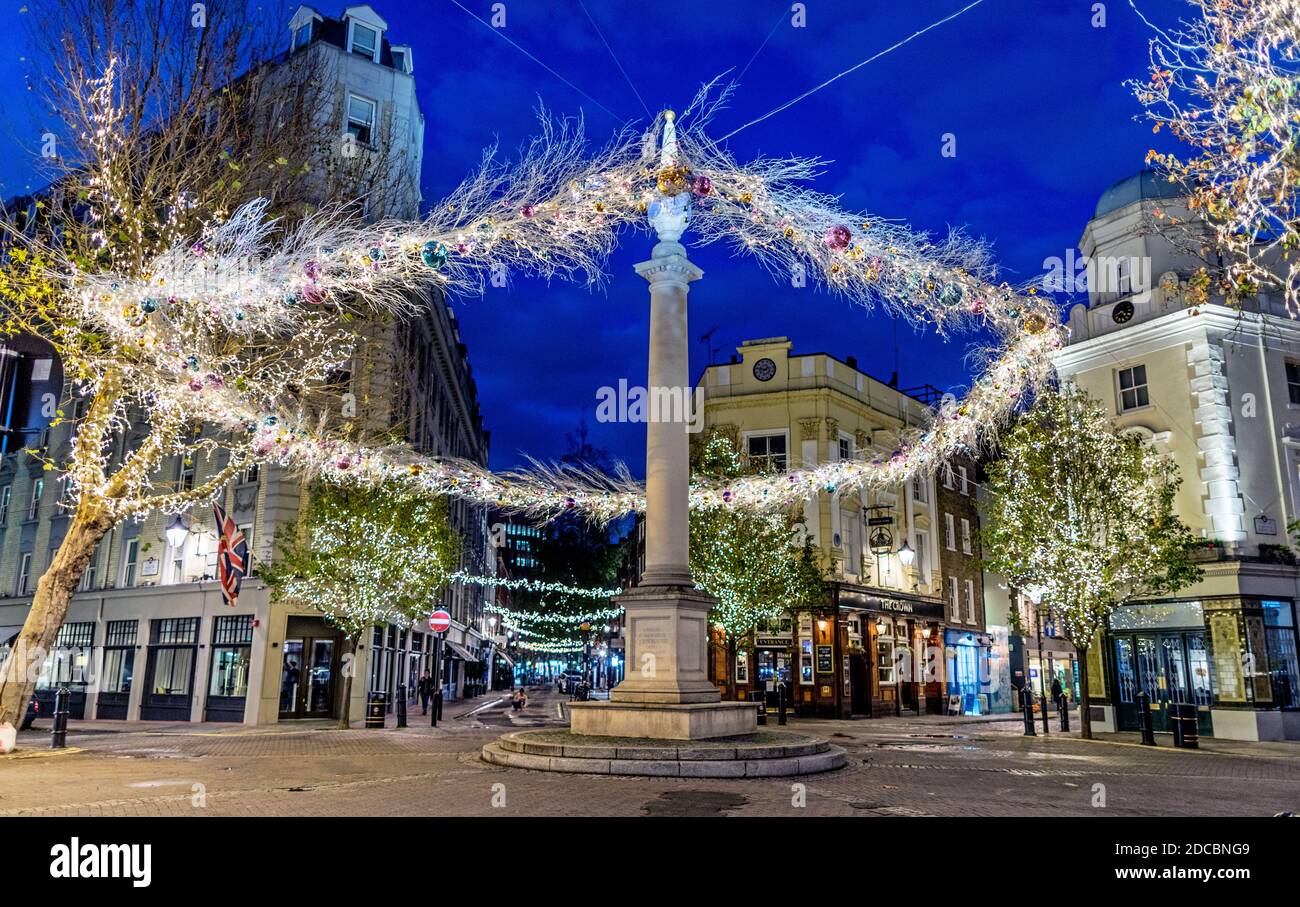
(1035, 324)
(746, 198)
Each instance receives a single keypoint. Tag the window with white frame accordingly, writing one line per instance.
(970, 601)
(918, 544)
(130, 555)
(766, 452)
(947, 476)
(361, 118)
(954, 601)
(963, 483)
(34, 506)
(247, 530)
(399, 60)
(6, 498)
(920, 487)
(1123, 277)
(950, 532)
(846, 448)
(965, 536)
(363, 40)
(252, 473)
(1293, 381)
(885, 651)
(302, 36)
(24, 573)
(1133, 388)
(185, 474)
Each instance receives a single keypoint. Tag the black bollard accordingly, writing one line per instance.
(759, 698)
(1144, 719)
(1065, 713)
(59, 731)
(780, 703)
(401, 705)
(1027, 700)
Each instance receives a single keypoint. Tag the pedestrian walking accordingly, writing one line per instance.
(425, 689)
(1058, 693)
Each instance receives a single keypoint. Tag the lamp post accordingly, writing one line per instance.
(1036, 596)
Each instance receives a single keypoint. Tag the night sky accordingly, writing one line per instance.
(1032, 91)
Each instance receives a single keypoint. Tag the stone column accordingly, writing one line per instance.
(667, 456)
(666, 691)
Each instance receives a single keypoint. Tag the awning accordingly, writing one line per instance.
(459, 651)
(506, 658)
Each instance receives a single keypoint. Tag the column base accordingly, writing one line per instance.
(667, 646)
(659, 721)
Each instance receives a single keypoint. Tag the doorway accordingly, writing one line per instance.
(169, 687)
(307, 672)
(1170, 668)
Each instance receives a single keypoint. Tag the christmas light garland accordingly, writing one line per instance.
(555, 213)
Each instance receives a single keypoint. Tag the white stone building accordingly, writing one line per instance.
(1218, 389)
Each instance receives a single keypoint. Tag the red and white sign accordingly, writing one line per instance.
(439, 621)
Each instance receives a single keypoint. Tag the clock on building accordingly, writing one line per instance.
(1122, 312)
(764, 369)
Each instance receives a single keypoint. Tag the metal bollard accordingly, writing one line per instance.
(59, 731)
(1027, 700)
(401, 705)
(1064, 709)
(1144, 719)
(780, 704)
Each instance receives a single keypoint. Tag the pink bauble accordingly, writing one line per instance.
(838, 237)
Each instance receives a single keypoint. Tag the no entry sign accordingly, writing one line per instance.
(439, 621)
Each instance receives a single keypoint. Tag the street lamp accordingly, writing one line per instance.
(177, 532)
(906, 554)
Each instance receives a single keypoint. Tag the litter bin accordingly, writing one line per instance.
(376, 706)
(759, 698)
(1186, 734)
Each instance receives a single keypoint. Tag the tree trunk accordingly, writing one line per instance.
(345, 708)
(1085, 716)
(733, 685)
(54, 591)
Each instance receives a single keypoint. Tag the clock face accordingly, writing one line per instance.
(1122, 312)
(764, 369)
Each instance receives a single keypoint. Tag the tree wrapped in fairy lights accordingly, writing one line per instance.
(363, 557)
(1227, 83)
(1083, 519)
(757, 564)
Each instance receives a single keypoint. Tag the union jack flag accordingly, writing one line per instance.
(232, 555)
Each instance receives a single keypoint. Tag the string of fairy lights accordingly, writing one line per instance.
(556, 212)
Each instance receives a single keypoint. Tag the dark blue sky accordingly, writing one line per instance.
(1032, 91)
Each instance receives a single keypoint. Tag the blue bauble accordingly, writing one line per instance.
(149, 306)
(434, 254)
(376, 254)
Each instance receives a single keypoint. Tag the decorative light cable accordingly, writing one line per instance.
(525, 618)
(532, 585)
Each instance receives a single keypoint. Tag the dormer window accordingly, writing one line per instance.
(399, 60)
(363, 40)
(302, 36)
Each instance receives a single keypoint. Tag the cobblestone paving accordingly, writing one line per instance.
(897, 767)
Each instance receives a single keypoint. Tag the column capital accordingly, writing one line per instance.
(669, 265)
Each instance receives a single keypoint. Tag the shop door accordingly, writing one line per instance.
(170, 684)
(307, 677)
(1168, 667)
(859, 685)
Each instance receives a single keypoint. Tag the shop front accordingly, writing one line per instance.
(891, 665)
(1233, 658)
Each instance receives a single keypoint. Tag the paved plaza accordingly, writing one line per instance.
(930, 766)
